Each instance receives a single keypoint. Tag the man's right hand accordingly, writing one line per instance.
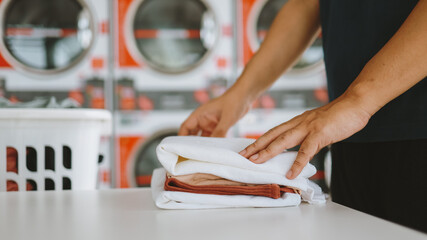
(214, 118)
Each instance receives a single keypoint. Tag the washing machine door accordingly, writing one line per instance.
(172, 36)
(46, 36)
(311, 59)
(146, 159)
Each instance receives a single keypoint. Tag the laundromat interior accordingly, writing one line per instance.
(213, 119)
(150, 63)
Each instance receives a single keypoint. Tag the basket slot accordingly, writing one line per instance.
(67, 183)
(67, 156)
(49, 158)
(12, 158)
(67, 180)
(11, 176)
(49, 184)
(12, 185)
(31, 159)
(32, 183)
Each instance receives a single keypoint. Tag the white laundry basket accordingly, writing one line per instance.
(56, 148)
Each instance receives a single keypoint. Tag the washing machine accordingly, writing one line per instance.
(170, 45)
(53, 48)
(170, 57)
(140, 133)
(56, 48)
(304, 85)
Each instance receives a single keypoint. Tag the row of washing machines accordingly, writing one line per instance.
(150, 62)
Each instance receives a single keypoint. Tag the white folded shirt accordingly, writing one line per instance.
(220, 157)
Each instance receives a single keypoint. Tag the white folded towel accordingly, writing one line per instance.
(219, 156)
(182, 200)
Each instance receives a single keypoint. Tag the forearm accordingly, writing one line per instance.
(398, 66)
(292, 31)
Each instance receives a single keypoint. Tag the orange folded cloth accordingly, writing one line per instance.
(201, 179)
(208, 184)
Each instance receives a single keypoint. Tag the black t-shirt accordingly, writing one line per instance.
(353, 32)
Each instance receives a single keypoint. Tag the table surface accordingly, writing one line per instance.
(131, 214)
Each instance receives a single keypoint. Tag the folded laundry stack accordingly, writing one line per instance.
(210, 184)
(202, 172)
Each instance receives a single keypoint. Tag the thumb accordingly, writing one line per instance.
(222, 127)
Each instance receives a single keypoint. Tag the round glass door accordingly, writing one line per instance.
(146, 159)
(312, 56)
(47, 36)
(173, 36)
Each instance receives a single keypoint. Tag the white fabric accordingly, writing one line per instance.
(219, 156)
(182, 200)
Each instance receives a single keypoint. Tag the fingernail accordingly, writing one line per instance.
(254, 157)
(289, 174)
(242, 152)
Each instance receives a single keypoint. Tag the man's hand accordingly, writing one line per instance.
(214, 118)
(312, 130)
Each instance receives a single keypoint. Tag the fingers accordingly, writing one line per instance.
(308, 149)
(262, 142)
(189, 127)
(289, 139)
(196, 123)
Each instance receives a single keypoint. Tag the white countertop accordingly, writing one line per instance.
(131, 214)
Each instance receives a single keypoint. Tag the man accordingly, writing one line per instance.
(376, 60)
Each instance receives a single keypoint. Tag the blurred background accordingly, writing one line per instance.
(149, 62)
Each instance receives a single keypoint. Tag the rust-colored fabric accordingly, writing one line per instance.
(202, 179)
(266, 190)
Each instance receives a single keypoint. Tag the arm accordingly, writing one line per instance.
(293, 30)
(398, 66)
(295, 27)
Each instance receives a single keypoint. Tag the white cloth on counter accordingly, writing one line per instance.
(183, 200)
(220, 156)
